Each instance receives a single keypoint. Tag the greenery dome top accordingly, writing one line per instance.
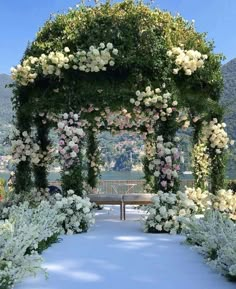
(141, 38)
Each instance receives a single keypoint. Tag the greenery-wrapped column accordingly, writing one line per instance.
(217, 171)
(200, 158)
(42, 139)
(93, 159)
(72, 178)
(149, 154)
(23, 180)
(167, 129)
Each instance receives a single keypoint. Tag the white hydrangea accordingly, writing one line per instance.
(187, 60)
(215, 133)
(95, 60)
(75, 211)
(166, 212)
(225, 202)
(156, 98)
(201, 199)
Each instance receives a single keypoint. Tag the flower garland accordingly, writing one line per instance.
(187, 60)
(95, 60)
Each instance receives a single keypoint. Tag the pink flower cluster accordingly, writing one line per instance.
(71, 136)
(166, 164)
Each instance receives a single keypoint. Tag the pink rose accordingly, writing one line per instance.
(164, 183)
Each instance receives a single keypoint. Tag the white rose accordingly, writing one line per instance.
(73, 154)
(156, 173)
(115, 51)
(65, 115)
(109, 45)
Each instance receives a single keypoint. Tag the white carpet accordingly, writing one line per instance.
(117, 254)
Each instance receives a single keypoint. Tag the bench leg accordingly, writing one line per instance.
(124, 211)
(121, 212)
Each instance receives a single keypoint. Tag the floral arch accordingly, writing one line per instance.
(118, 67)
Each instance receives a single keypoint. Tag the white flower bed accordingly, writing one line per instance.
(24, 229)
(167, 211)
(20, 235)
(75, 212)
(215, 237)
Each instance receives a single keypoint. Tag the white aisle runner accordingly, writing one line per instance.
(116, 254)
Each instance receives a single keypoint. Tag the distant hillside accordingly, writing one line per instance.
(5, 110)
(228, 98)
(5, 99)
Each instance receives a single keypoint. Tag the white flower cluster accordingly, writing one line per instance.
(20, 235)
(201, 161)
(166, 212)
(94, 60)
(215, 133)
(71, 136)
(162, 101)
(166, 164)
(24, 148)
(187, 60)
(225, 202)
(215, 237)
(75, 212)
(200, 198)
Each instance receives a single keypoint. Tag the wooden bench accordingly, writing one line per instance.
(122, 200)
(136, 199)
(108, 199)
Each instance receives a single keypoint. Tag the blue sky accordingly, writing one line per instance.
(21, 19)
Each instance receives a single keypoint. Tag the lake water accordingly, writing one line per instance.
(112, 175)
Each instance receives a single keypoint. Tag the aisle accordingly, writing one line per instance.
(118, 255)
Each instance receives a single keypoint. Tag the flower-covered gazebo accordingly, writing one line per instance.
(118, 67)
(121, 67)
